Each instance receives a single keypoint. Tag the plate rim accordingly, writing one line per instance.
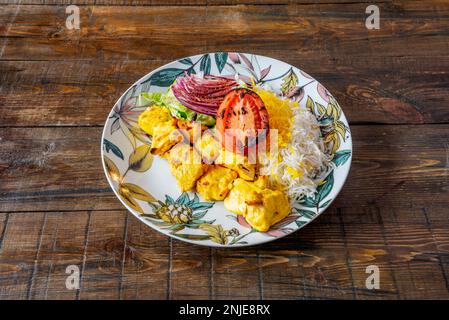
(213, 244)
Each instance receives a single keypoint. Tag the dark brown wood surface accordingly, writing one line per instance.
(56, 208)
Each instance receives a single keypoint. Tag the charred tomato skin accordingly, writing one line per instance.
(240, 115)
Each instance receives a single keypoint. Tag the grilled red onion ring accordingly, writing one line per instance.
(202, 95)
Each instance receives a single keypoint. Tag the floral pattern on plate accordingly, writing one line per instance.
(143, 183)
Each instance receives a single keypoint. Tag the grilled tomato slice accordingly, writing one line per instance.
(242, 120)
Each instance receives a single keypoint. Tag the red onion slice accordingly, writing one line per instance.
(203, 95)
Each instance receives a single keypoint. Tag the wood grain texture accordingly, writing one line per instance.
(62, 243)
(158, 32)
(19, 252)
(103, 255)
(78, 93)
(369, 223)
(145, 262)
(176, 2)
(326, 260)
(379, 76)
(56, 208)
(41, 168)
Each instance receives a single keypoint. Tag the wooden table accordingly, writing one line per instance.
(56, 208)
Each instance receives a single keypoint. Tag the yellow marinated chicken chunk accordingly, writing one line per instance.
(208, 146)
(190, 130)
(236, 162)
(185, 165)
(261, 207)
(157, 122)
(164, 138)
(154, 117)
(216, 183)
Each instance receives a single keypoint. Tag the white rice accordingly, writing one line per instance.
(305, 153)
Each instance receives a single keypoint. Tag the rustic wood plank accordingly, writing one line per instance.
(62, 245)
(386, 172)
(39, 33)
(74, 93)
(311, 264)
(236, 274)
(190, 272)
(104, 253)
(94, 244)
(4, 217)
(366, 246)
(64, 93)
(174, 2)
(409, 261)
(110, 2)
(393, 166)
(417, 264)
(409, 88)
(51, 157)
(20, 247)
(308, 264)
(145, 261)
(437, 222)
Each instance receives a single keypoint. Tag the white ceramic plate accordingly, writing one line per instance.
(146, 187)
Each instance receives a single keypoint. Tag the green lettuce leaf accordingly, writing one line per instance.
(149, 98)
(205, 119)
(177, 110)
